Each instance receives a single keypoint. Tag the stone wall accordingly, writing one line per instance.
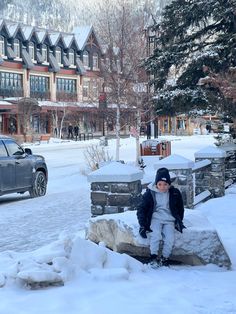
(114, 197)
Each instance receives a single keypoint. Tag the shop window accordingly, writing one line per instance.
(85, 88)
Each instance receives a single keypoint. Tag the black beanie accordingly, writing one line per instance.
(163, 175)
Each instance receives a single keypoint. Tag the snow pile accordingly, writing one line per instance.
(64, 260)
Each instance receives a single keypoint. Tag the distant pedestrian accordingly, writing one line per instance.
(76, 132)
(70, 131)
(12, 128)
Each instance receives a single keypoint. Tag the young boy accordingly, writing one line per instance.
(160, 212)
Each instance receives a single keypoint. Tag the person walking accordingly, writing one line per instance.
(76, 132)
(160, 212)
(70, 131)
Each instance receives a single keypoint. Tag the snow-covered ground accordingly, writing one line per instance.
(97, 280)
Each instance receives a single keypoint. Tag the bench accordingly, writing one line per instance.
(45, 138)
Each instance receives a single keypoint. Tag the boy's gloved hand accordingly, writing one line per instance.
(142, 232)
(179, 225)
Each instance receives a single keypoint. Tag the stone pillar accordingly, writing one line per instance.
(214, 178)
(230, 162)
(182, 168)
(115, 188)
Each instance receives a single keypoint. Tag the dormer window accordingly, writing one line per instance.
(31, 50)
(58, 55)
(86, 59)
(17, 48)
(72, 57)
(95, 61)
(44, 53)
(2, 46)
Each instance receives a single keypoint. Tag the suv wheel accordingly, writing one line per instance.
(39, 186)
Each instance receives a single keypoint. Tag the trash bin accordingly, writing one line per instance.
(155, 147)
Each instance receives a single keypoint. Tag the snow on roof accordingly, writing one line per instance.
(12, 28)
(174, 162)
(40, 33)
(115, 172)
(67, 38)
(81, 34)
(210, 152)
(54, 37)
(3, 102)
(27, 31)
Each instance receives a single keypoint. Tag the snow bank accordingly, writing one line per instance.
(64, 260)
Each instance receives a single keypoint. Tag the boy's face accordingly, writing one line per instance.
(163, 186)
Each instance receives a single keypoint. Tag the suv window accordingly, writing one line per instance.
(3, 152)
(13, 148)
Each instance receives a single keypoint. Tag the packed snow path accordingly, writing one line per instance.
(27, 224)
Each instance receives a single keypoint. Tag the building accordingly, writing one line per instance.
(50, 78)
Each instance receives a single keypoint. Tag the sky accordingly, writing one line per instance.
(43, 239)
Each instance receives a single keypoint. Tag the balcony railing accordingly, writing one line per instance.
(66, 96)
(40, 95)
(11, 92)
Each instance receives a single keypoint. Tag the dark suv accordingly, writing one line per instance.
(20, 171)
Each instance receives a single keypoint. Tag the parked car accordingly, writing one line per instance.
(20, 170)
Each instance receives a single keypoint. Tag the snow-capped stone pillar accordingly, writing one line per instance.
(213, 178)
(230, 162)
(115, 188)
(182, 168)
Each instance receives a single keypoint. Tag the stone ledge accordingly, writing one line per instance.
(199, 244)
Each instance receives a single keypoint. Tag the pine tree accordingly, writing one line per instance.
(194, 35)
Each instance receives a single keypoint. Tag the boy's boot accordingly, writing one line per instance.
(154, 261)
(164, 261)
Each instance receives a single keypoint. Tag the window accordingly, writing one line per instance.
(58, 55)
(86, 59)
(95, 89)
(31, 50)
(2, 46)
(66, 89)
(72, 57)
(3, 152)
(85, 88)
(66, 85)
(44, 53)
(17, 48)
(39, 87)
(13, 148)
(95, 61)
(11, 81)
